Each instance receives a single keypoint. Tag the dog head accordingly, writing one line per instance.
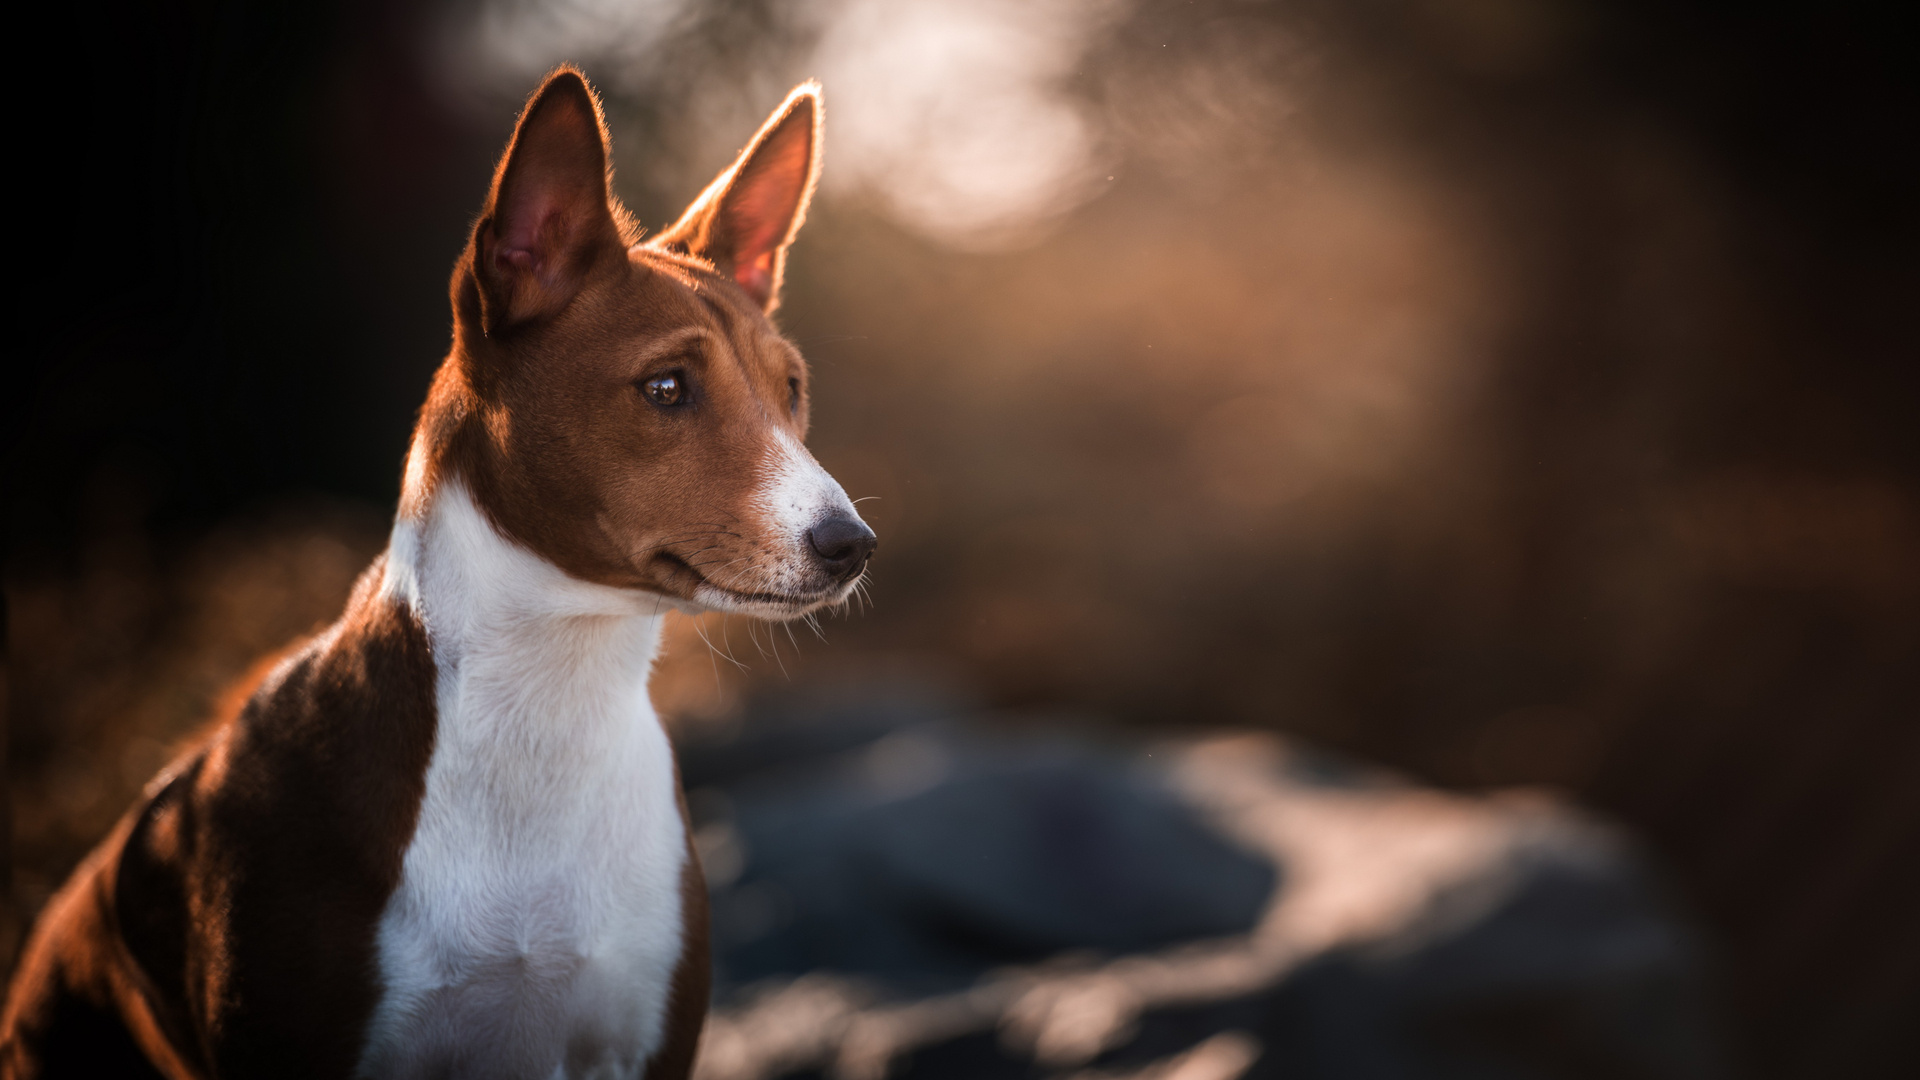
(627, 410)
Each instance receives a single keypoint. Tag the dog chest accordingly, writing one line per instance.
(538, 920)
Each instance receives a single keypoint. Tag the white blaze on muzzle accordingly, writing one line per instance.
(795, 494)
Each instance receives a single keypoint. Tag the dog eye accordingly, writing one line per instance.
(669, 389)
(793, 395)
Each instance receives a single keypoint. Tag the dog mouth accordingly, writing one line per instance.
(770, 605)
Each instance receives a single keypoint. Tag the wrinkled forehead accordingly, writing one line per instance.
(704, 305)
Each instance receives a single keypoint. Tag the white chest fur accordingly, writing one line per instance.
(537, 923)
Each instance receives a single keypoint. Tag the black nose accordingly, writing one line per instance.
(842, 544)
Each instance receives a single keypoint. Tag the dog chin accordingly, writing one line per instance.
(771, 607)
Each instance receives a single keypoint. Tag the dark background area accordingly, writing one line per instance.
(1661, 551)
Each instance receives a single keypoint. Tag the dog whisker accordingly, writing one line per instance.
(712, 650)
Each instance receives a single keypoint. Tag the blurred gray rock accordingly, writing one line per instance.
(900, 889)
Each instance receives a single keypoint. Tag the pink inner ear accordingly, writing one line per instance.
(760, 214)
(760, 207)
(757, 276)
(524, 229)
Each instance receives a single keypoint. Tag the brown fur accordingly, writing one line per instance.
(227, 926)
(229, 920)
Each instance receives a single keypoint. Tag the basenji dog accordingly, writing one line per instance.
(445, 837)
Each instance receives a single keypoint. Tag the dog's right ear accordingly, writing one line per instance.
(549, 215)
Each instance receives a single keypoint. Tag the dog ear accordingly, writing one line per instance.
(745, 219)
(549, 214)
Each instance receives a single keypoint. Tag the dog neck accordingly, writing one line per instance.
(548, 668)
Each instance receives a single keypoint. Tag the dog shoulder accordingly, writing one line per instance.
(271, 848)
(299, 817)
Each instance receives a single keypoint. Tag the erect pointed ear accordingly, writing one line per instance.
(549, 215)
(746, 218)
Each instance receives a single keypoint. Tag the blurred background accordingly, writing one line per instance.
(1505, 393)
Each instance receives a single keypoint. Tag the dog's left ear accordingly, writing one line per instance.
(745, 219)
